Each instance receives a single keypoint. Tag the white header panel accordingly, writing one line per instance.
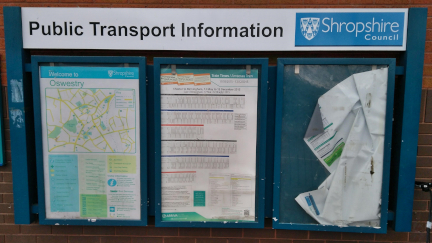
(215, 29)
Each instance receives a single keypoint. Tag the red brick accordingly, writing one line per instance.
(428, 106)
(392, 236)
(427, 82)
(373, 241)
(428, 46)
(51, 239)
(423, 105)
(147, 240)
(99, 230)
(6, 207)
(259, 233)
(178, 240)
(35, 229)
(308, 241)
(7, 167)
(393, 2)
(9, 219)
(325, 235)
(418, 226)
(76, 1)
(420, 205)
(340, 241)
(425, 128)
(356, 2)
(8, 198)
(5, 187)
(428, 58)
(292, 234)
(240, 240)
(20, 238)
(417, 237)
(420, 216)
(211, 240)
(424, 172)
(180, 1)
(153, 231)
(421, 195)
(215, 1)
(429, 35)
(357, 236)
(84, 239)
(275, 241)
(146, 1)
(194, 232)
(427, 70)
(250, 2)
(424, 150)
(115, 239)
(9, 229)
(2, 220)
(67, 230)
(290, 2)
(424, 161)
(220, 232)
(131, 230)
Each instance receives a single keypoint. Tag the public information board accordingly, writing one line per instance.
(209, 144)
(90, 119)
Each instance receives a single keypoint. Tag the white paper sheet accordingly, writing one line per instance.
(209, 145)
(353, 114)
(91, 143)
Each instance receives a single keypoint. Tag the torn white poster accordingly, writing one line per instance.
(348, 140)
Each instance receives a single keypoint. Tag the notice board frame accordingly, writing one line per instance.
(2, 140)
(141, 62)
(391, 62)
(261, 139)
(406, 125)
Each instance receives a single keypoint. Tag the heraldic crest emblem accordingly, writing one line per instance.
(309, 27)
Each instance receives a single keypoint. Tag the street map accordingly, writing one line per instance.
(91, 120)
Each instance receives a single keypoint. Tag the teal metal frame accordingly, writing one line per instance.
(405, 135)
(281, 92)
(234, 63)
(86, 61)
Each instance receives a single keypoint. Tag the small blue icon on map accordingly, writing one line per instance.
(112, 209)
(112, 182)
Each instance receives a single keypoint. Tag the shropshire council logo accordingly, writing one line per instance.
(110, 73)
(309, 27)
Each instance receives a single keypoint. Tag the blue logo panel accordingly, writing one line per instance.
(349, 29)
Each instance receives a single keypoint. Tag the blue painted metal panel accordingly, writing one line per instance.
(2, 144)
(261, 137)
(296, 169)
(406, 124)
(21, 118)
(150, 144)
(271, 109)
(141, 61)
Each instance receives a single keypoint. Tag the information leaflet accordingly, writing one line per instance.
(90, 133)
(209, 124)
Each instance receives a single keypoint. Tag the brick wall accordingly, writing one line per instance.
(9, 232)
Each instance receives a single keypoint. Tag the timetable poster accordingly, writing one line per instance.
(90, 133)
(209, 134)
